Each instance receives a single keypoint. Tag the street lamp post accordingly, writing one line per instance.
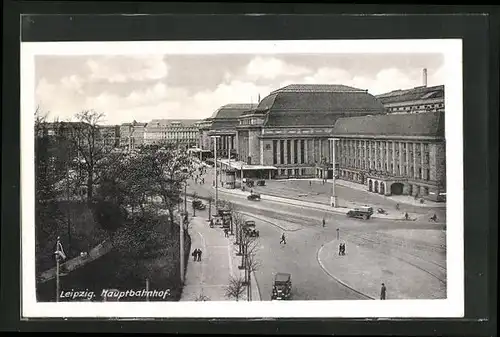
(216, 179)
(333, 200)
(181, 240)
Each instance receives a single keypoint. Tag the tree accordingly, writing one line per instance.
(201, 297)
(238, 221)
(249, 262)
(87, 140)
(168, 169)
(235, 288)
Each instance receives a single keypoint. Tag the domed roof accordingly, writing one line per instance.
(232, 110)
(317, 104)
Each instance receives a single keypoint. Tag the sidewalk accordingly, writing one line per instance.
(208, 278)
(364, 270)
(392, 215)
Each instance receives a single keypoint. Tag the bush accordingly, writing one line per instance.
(108, 215)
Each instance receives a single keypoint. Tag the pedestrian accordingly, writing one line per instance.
(343, 249)
(434, 217)
(324, 222)
(203, 180)
(309, 183)
(194, 254)
(338, 236)
(406, 216)
(383, 291)
(340, 249)
(283, 239)
(226, 233)
(199, 254)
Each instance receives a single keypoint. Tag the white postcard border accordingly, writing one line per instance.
(453, 306)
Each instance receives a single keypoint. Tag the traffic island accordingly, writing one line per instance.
(364, 270)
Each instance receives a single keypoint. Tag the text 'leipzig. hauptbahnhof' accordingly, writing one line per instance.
(393, 144)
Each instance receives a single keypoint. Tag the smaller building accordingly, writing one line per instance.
(394, 154)
(415, 100)
(183, 132)
(132, 135)
(110, 135)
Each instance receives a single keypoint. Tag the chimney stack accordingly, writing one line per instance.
(424, 77)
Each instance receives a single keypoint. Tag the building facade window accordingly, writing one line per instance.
(296, 151)
(282, 151)
(275, 152)
(428, 174)
(302, 152)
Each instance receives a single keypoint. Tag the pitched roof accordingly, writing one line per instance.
(316, 104)
(172, 122)
(429, 124)
(413, 94)
(318, 88)
(232, 110)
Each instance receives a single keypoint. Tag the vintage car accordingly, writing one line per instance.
(359, 213)
(197, 204)
(261, 182)
(225, 217)
(250, 183)
(249, 229)
(254, 197)
(282, 287)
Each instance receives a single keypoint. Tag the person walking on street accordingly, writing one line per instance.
(199, 254)
(194, 254)
(383, 291)
(226, 231)
(283, 239)
(340, 249)
(324, 222)
(343, 248)
(309, 183)
(406, 216)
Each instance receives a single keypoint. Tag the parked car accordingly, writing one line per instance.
(254, 197)
(261, 182)
(197, 204)
(249, 229)
(282, 286)
(360, 214)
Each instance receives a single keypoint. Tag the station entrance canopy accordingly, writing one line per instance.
(244, 170)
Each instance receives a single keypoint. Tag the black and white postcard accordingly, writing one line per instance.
(319, 178)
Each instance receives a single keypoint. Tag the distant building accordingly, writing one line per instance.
(394, 154)
(289, 129)
(132, 135)
(181, 132)
(415, 100)
(110, 135)
(223, 123)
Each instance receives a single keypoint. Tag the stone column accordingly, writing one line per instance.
(387, 144)
(292, 151)
(415, 168)
(306, 144)
(400, 158)
(407, 159)
(393, 170)
(278, 152)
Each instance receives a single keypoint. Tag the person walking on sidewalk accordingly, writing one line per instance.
(283, 239)
(226, 233)
(343, 249)
(340, 249)
(383, 291)
(324, 222)
(199, 254)
(406, 216)
(195, 254)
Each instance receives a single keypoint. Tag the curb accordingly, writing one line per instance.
(269, 222)
(300, 203)
(337, 279)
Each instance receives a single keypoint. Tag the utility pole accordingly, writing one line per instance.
(58, 254)
(333, 201)
(185, 197)
(216, 176)
(181, 240)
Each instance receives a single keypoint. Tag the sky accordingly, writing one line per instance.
(146, 87)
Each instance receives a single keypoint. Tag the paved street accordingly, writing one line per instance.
(316, 276)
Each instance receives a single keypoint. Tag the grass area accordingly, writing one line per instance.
(75, 225)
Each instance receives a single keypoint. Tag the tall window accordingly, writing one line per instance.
(302, 152)
(428, 174)
(295, 152)
(419, 173)
(282, 152)
(275, 152)
(288, 152)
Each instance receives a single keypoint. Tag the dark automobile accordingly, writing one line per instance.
(261, 182)
(197, 204)
(282, 287)
(249, 229)
(250, 183)
(225, 216)
(360, 213)
(254, 197)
